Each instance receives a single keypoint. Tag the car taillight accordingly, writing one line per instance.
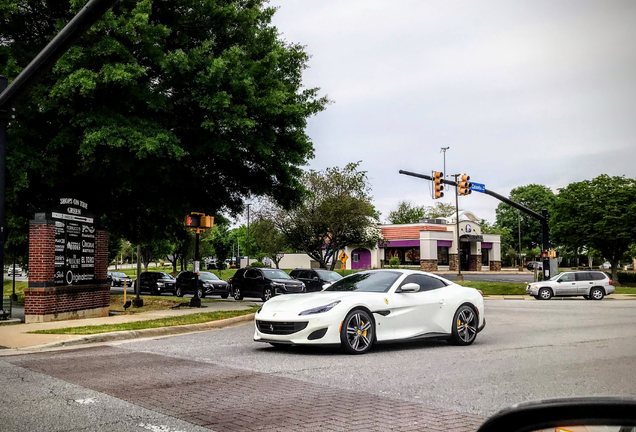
(480, 292)
(611, 282)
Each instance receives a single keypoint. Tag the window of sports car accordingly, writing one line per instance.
(276, 274)
(366, 282)
(208, 276)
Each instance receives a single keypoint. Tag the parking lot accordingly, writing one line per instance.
(224, 381)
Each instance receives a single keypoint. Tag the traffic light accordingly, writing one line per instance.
(437, 185)
(193, 220)
(464, 184)
(206, 222)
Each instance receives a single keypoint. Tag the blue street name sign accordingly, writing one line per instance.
(478, 187)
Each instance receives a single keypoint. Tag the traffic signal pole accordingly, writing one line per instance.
(543, 218)
(196, 300)
(460, 277)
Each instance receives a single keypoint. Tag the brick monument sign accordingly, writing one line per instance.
(68, 265)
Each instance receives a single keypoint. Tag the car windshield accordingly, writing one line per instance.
(118, 274)
(329, 275)
(555, 277)
(366, 282)
(164, 275)
(208, 276)
(276, 274)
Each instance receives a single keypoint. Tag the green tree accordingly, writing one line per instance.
(270, 241)
(162, 108)
(221, 243)
(599, 214)
(153, 251)
(440, 210)
(533, 196)
(337, 212)
(407, 213)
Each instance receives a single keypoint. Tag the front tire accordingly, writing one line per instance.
(200, 293)
(238, 295)
(536, 297)
(597, 294)
(358, 332)
(465, 326)
(267, 294)
(545, 294)
(178, 292)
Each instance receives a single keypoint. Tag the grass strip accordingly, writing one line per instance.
(196, 318)
(20, 286)
(497, 288)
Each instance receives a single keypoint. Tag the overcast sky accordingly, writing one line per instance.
(521, 91)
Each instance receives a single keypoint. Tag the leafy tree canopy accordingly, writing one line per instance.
(598, 214)
(407, 212)
(533, 196)
(337, 211)
(162, 108)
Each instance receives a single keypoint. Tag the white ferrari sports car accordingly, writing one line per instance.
(374, 306)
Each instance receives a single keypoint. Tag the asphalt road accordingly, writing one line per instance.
(529, 350)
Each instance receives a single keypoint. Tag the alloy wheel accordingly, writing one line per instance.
(178, 292)
(545, 294)
(359, 331)
(200, 293)
(237, 294)
(467, 325)
(597, 294)
(267, 294)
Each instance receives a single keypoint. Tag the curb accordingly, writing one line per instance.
(143, 333)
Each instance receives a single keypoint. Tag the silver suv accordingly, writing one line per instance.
(593, 285)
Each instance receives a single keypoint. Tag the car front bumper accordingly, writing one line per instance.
(314, 324)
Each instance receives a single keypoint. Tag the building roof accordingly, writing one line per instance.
(464, 215)
(397, 232)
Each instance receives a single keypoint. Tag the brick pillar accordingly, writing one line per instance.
(495, 265)
(453, 262)
(475, 263)
(43, 300)
(429, 265)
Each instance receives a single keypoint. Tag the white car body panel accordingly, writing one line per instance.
(410, 314)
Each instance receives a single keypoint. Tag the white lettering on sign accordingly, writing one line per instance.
(64, 201)
(73, 246)
(87, 244)
(74, 211)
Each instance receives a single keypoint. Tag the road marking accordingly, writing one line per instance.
(160, 428)
(85, 401)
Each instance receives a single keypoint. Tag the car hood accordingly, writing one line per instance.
(216, 282)
(302, 302)
(169, 281)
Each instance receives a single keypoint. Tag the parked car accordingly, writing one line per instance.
(17, 270)
(593, 285)
(374, 306)
(534, 264)
(117, 279)
(209, 284)
(155, 282)
(315, 279)
(263, 283)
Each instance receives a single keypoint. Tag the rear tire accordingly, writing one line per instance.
(545, 294)
(537, 297)
(178, 292)
(597, 294)
(465, 324)
(238, 295)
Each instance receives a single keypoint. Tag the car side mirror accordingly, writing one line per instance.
(559, 281)
(315, 277)
(410, 287)
(584, 414)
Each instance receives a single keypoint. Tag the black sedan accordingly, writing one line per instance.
(117, 279)
(156, 283)
(209, 284)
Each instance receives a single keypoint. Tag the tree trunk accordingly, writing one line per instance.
(614, 272)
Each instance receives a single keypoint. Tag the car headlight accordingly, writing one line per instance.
(320, 309)
(161, 284)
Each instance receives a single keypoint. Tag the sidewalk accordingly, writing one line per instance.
(17, 336)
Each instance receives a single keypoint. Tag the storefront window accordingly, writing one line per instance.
(484, 257)
(442, 255)
(406, 255)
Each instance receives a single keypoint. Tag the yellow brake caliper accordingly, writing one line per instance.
(364, 333)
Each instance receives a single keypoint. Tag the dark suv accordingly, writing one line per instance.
(315, 279)
(209, 284)
(156, 283)
(263, 283)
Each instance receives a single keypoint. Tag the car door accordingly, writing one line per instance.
(307, 277)
(415, 313)
(249, 282)
(144, 280)
(584, 283)
(566, 285)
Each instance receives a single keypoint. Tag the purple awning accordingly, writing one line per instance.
(403, 243)
(444, 243)
(486, 245)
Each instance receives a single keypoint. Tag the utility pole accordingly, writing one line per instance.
(443, 149)
(520, 260)
(460, 276)
(248, 234)
(4, 121)
(138, 301)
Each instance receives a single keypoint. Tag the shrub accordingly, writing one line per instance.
(394, 262)
(257, 264)
(625, 277)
